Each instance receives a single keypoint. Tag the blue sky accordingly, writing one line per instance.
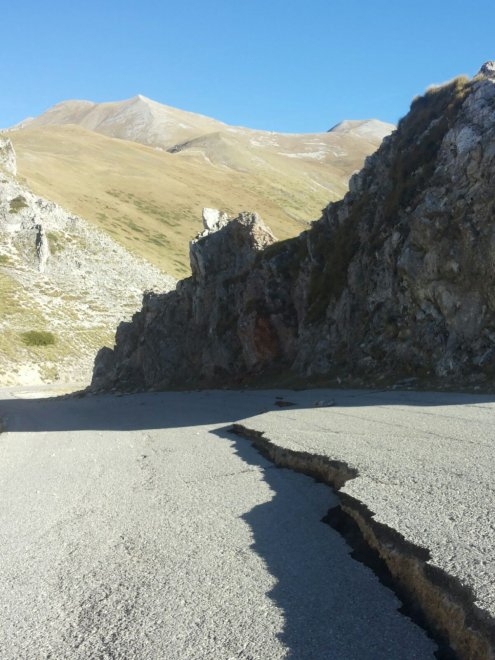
(284, 65)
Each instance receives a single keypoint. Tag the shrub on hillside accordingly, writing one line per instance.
(38, 338)
(17, 204)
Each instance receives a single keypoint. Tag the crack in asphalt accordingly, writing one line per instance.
(447, 608)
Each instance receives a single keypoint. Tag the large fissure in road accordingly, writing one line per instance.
(433, 598)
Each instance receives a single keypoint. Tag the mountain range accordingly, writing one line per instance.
(142, 171)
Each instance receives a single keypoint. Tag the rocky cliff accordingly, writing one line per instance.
(397, 279)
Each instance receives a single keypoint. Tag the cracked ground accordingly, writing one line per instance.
(137, 526)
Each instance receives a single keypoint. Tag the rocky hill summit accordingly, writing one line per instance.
(63, 285)
(148, 122)
(368, 128)
(139, 119)
(395, 280)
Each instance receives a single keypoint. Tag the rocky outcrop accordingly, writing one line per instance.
(488, 70)
(7, 156)
(397, 279)
(42, 248)
(200, 317)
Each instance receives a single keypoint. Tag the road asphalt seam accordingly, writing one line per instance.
(447, 606)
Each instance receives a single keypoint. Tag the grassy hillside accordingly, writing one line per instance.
(63, 291)
(40, 341)
(150, 200)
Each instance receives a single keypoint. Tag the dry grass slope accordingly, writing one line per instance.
(150, 200)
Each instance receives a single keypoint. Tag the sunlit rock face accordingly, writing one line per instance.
(488, 70)
(7, 156)
(397, 279)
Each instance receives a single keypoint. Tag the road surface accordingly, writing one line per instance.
(139, 527)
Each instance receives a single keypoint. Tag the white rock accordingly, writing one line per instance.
(488, 69)
(213, 219)
(7, 156)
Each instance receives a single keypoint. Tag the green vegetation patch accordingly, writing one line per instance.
(17, 204)
(148, 206)
(10, 292)
(38, 338)
(54, 241)
(4, 260)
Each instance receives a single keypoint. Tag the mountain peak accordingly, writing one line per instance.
(138, 118)
(140, 98)
(374, 128)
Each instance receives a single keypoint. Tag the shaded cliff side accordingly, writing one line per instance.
(396, 279)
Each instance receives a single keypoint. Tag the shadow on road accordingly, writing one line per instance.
(332, 606)
(179, 409)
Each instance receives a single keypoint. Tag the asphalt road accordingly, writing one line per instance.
(426, 464)
(139, 527)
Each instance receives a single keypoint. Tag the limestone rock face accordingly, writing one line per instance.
(42, 248)
(7, 156)
(215, 252)
(397, 279)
